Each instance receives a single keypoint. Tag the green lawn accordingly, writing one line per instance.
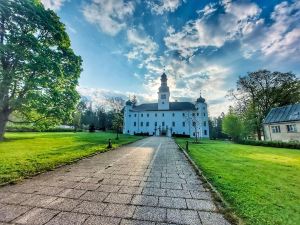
(24, 154)
(262, 184)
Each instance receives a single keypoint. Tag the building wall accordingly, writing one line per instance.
(284, 135)
(167, 117)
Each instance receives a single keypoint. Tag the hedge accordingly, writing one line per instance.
(276, 144)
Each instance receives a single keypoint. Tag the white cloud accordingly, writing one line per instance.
(283, 37)
(53, 4)
(109, 15)
(98, 96)
(161, 6)
(143, 49)
(238, 20)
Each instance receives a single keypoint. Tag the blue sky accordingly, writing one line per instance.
(203, 45)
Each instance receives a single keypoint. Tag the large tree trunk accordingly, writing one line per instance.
(3, 121)
(258, 130)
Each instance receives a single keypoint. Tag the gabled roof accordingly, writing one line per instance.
(174, 106)
(284, 114)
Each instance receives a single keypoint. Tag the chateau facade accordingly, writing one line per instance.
(167, 118)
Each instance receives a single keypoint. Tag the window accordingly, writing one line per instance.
(203, 108)
(203, 114)
(275, 129)
(142, 115)
(193, 133)
(193, 114)
(142, 124)
(134, 115)
(147, 114)
(163, 123)
(129, 115)
(183, 133)
(183, 124)
(163, 103)
(197, 114)
(147, 124)
(155, 114)
(173, 114)
(183, 114)
(134, 124)
(173, 124)
(291, 128)
(163, 96)
(155, 124)
(204, 123)
(194, 124)
(163, 114)
(205, 132)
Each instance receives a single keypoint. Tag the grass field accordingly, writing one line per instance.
(262, 184)
(24, 154)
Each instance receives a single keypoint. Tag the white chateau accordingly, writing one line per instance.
(165, 117)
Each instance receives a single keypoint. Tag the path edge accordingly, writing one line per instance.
(13, 182)
(221, 203)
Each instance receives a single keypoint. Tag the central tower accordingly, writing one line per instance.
(163, 94)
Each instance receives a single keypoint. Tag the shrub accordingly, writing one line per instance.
(92, 128)
(30, 128)
(276, 144)
(142, 134)
(181, 135)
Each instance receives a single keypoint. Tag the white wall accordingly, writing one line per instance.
(284, 135)
(168, 117)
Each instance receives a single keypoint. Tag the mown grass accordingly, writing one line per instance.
(262, 184)
(25, 154)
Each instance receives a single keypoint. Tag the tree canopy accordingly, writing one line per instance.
(259, 91)
(38, 69)
(232, 125)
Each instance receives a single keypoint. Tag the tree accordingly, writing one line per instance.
(259, 91)
(78, 113)
(192, 119)
(117, 104)
(232, 125)
(38, 69)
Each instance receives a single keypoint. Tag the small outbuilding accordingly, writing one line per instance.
(283, 124)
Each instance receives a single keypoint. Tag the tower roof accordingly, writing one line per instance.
(129, 102)
(200, 99)
(164, 87)
(163, 77)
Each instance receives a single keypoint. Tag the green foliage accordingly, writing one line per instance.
(261, 183)
(25, 154)
(215, 128)
(276, 144)
(232, 126)
(38, 70)
(259, 91)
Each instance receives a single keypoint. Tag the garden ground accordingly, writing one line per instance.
(262, 184)
(25, 154)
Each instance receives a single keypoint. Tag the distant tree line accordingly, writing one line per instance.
(105, 117)
(215, 127)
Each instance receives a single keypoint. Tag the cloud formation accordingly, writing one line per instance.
(161, 6)
(53, 4)
(213, 29)
(109, 15)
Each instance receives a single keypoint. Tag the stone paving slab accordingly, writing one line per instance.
(149, 182)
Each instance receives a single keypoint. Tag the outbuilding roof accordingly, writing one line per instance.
(174, 106)
(283, 114)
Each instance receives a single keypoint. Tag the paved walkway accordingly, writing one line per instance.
(149, 182)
